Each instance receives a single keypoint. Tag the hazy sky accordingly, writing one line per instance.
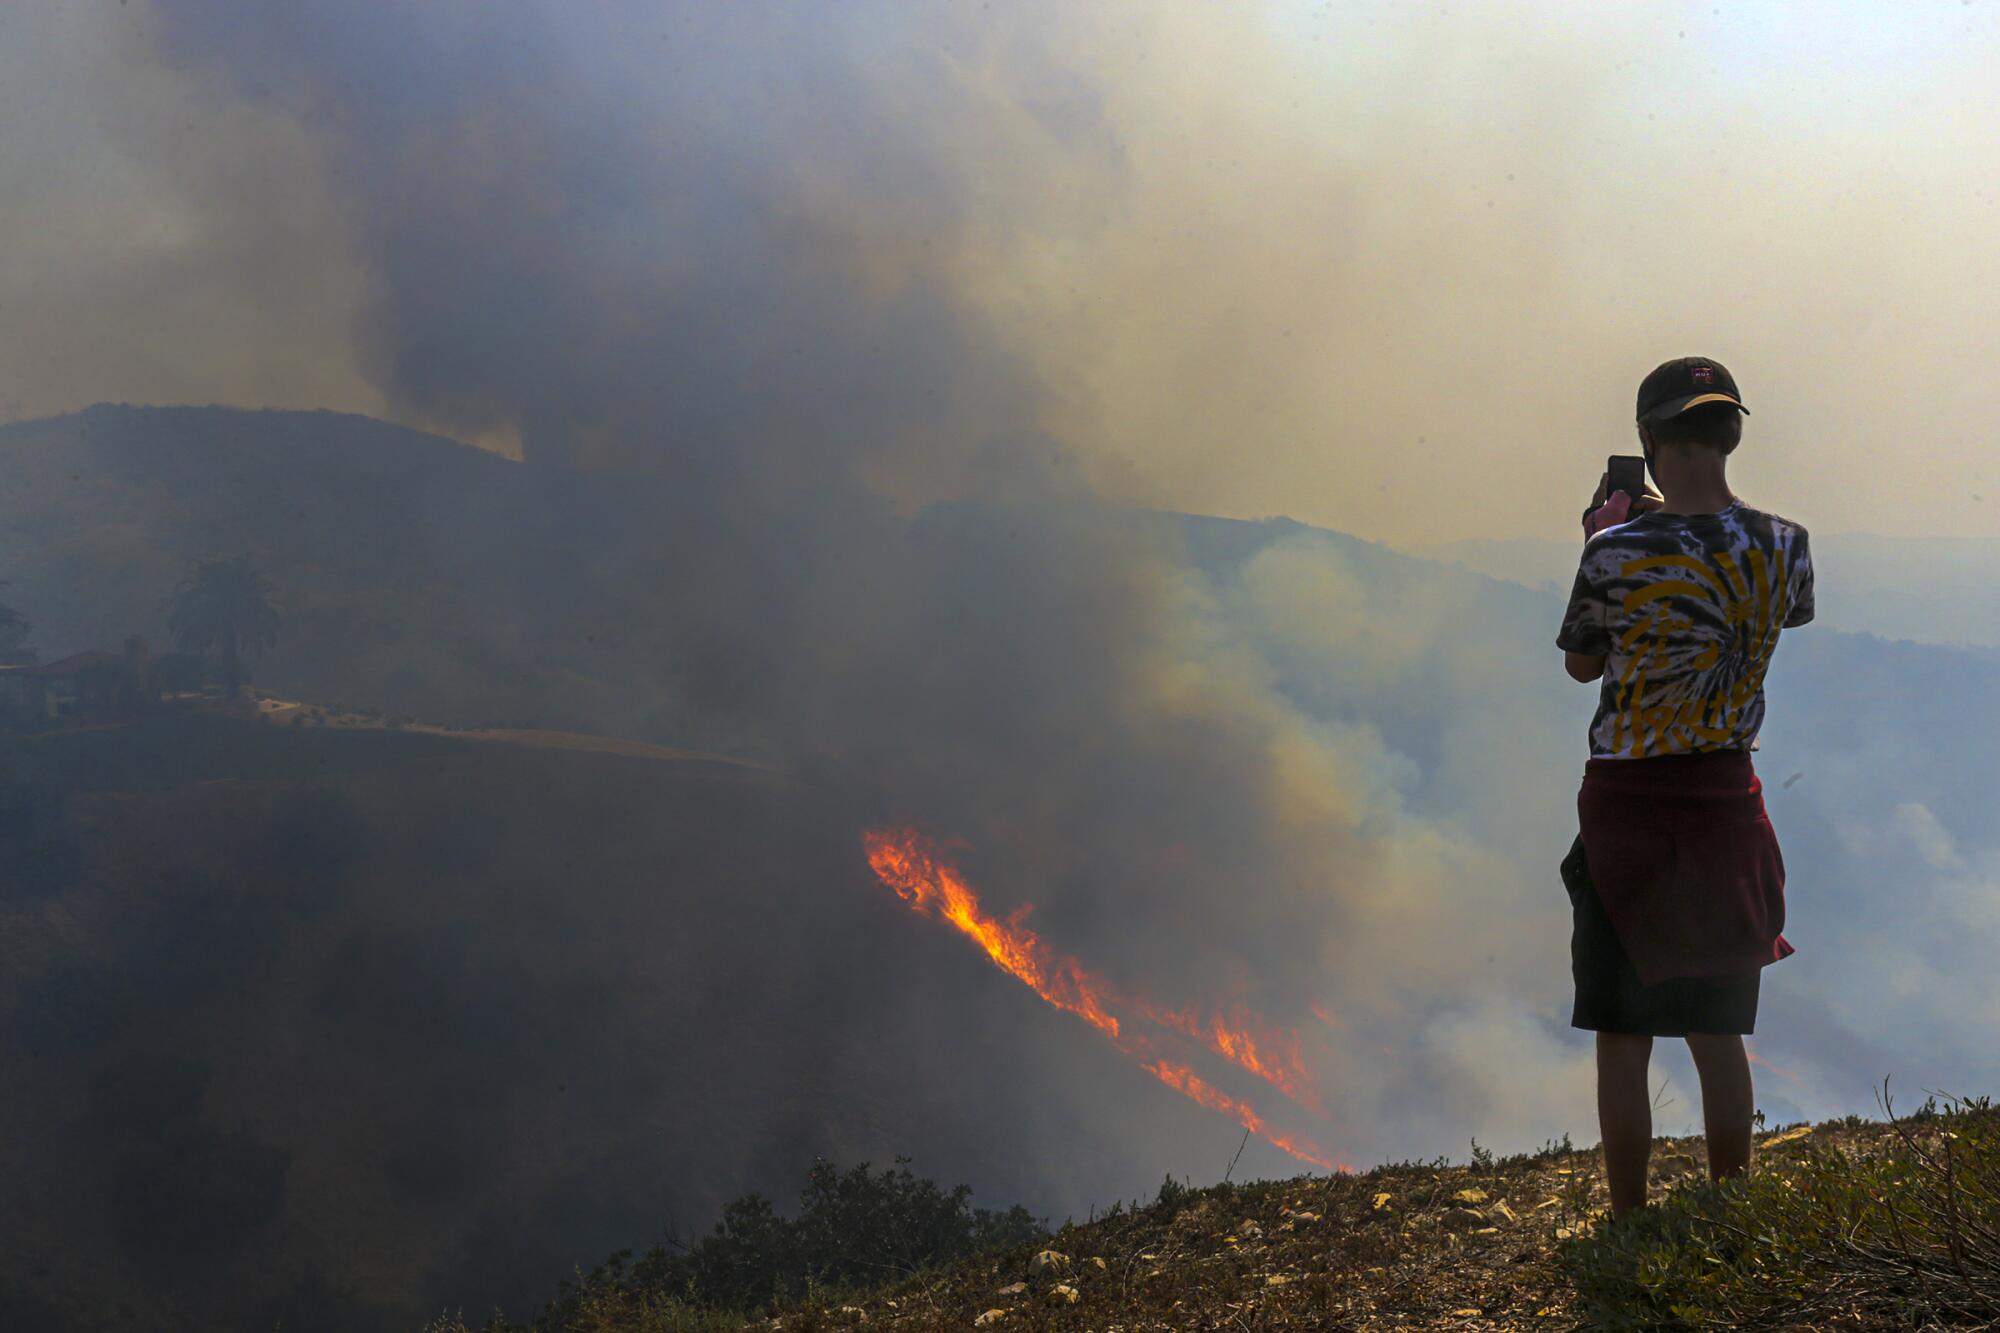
(1390, 268)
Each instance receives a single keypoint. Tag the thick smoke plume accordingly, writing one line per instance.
(731, 273)
(724, 254)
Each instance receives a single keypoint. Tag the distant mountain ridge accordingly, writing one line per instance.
(425, 576)
(411, 567)
(1943, 590)
(418, 574)
(83, 495)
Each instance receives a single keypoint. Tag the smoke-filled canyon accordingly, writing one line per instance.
(850, 386)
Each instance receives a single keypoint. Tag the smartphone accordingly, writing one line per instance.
(1628, 474)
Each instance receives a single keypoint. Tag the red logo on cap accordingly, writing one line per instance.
(1702, 374)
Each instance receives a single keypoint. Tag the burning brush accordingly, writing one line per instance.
(906, 861)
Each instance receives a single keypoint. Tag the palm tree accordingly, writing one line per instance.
(226, 605)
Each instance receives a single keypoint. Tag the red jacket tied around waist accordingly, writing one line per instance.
(1685, 862)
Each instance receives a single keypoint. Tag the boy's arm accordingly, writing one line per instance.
(1800, 612)
(1585, 637)
(1584, 667)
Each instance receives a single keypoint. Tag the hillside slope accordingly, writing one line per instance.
(374, 1022)
(1850, 1224)
(417, 575)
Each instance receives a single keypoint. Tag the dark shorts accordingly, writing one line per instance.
(1609, 995)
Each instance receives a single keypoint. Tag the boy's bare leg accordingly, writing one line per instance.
(1625, 1115)
(1727, 1101)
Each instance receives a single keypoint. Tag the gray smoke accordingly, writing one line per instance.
(710, 251)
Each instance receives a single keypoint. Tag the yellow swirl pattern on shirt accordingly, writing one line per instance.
(1686, 682)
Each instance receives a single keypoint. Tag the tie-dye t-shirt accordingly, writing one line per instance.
(1685, 609)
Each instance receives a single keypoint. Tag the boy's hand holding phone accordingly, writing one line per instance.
(1621, 493)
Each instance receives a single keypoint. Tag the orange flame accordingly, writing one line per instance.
(1245, 1039)
(1185, 1081)
(902, 859)
(902, 862)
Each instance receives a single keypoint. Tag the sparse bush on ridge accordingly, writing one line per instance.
(855, 1229)
(1905, 1234)
(610, 1305)
(1173, 1193)
(1850, 1224)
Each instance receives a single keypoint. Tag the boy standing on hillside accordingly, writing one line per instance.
(1676, 882)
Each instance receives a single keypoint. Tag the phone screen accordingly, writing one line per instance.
(1628, 474)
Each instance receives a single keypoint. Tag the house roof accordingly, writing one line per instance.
(73, 665)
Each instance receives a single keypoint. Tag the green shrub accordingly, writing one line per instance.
(605, 1302)
(1173, 1193)
(1900, 1232)
(856, 1229)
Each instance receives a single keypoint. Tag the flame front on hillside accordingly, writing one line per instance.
(1191, 1085)
(905, 861)
(905, 864)
(1245, 1039)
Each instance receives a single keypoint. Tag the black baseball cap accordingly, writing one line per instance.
(1684, 382)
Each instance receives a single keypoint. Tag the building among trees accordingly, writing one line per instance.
(89, 684)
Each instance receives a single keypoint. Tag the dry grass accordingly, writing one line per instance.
(1430, 1246)
(1486, 1246)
